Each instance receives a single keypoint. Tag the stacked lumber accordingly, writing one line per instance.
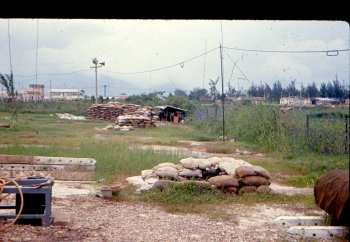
(130, 114)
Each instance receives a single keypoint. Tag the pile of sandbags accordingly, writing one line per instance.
(112, 110)
(252, 179)
(136, 121)
(223, 173)
(125, 115)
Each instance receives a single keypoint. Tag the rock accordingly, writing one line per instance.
(61, 218)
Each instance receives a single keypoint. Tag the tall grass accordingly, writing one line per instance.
(265, 127)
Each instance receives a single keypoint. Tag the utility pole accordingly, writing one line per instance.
(50, 92)
(222, 97)
(96, 65)
(205, 56)
(150, 77)
(104, 90)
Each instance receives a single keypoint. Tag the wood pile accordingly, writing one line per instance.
(123, 114)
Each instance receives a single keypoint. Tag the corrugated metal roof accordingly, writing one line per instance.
(168, 106)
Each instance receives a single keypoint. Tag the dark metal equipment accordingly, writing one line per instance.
(37, 196)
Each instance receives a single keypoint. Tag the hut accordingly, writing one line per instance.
(170, 113)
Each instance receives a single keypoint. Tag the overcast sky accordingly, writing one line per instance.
(61, 50)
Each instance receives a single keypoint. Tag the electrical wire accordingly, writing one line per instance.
(3, 183)
(251, 83)
(328, 52)
(8, 31)
(54, 74)
(181, 63)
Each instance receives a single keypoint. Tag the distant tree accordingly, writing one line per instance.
(311, 90)
(151, 99)
(7, 81)
(231, 91)
(323, 90)
(213, 92)
(177, 101)
(337, 88)
(268, 91)
(330, 90)
(252, 91)
(180, 93)
(261, 90)
(292, 90)
(198, 94)
(276, 91)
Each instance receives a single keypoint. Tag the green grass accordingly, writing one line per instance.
(183, 198)
(118, 155)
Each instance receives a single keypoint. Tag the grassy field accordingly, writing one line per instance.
(119, 155)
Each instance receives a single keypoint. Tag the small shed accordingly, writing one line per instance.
(171, 114)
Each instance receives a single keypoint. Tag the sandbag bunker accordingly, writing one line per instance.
(227, 174)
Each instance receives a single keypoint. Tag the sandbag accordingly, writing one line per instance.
(254, 181)
(244, 171)
(229, 165)
(247, 189)
(204, 164)
(165, 164)
(263, 189)
(167, 172)
(260, 171)
(190, 173)
(147, 174)
(214, 160)
(223, 181)
(331, 194)
(189, 163)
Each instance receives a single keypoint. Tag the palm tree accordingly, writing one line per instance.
(7, 81)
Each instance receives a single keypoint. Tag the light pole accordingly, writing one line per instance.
(97, 65)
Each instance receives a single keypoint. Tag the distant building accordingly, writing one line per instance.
(254, 100)
(36, 92)
(294, 101)
(67, 94)
(122, 96)
(325, 101)
(170, 113)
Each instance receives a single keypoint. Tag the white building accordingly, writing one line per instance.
(67, 94)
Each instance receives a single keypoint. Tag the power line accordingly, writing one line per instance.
(36, 59)
(181, 63)
(233, 67)
(54, 74)
(8, 31)
(251, 83)
(328, 52)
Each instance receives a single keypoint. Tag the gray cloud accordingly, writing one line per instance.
(68, 46)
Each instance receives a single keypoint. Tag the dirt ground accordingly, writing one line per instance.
(93, 218)
(89, 217)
